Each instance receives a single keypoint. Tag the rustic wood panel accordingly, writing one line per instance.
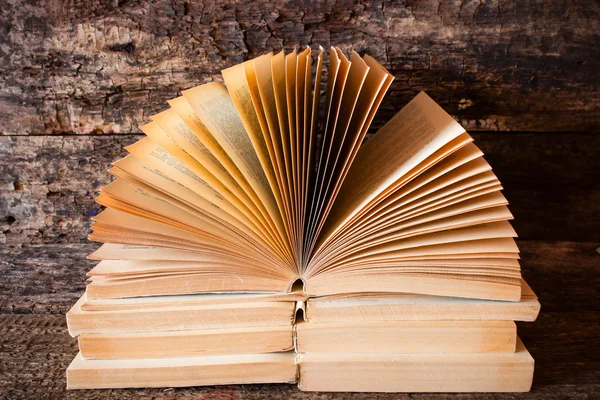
(92, 66)
(48, 183)
(35, 350)
(50, 278)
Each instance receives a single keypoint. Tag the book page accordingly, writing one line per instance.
(305, 145)
(312, 150)
(459, 217)
(266, 93)
(418, 130)
(493, 230)
(458, 159)
(117, 221)
(221, 183)
(157, 157)
(278, 71)
(239, 90)
(154, 207)
(376, 84)
(291, 63)
(158, 204)
(213, 106)
(442, 208)
(158, 180)
(360, 218)
(356, 76)
(303, 61)
(207, 140)
(262, 66)
(336, 79)
(176, 130)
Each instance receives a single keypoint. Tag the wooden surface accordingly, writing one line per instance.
(48, 183)
(94, 66)
(35, 349)
(78, 78)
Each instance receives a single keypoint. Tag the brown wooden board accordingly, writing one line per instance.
(96, 66)
(48, 184)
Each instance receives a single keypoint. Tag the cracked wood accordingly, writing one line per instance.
(48, 183)
(92, 66)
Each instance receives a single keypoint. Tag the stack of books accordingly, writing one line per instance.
(252, 237)
(411, 343)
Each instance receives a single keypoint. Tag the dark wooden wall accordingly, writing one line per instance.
(78, 77)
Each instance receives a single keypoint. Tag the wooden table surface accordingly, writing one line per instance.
(35, 349)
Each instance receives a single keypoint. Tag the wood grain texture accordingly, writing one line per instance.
(92, 66)
(48, 184)
(35, 351)
(50, 278)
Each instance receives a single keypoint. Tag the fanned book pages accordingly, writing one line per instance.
(252, 184)
(256, 224)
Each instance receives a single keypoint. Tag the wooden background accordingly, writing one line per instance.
(78, 77)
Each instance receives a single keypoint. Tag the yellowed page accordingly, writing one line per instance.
(266, 93)
(213, 106)
(493, 230)
(458, 180)
(200, 130)
(422, 225)
(486, 193)
(162, 207)
(468, 160)
(443, 209)
(179, 132)
(165, 140)
(119, 219)
(441, 171)
(305, 145)
(376, 84)
(239, 90)
(258, 77)
(356, 76)
(111, 220)
(111, 251)
(291, 63)
(157, 157)
(332, 76)
(187, 115)
(301, 117)
(312, 150)
(158, 180)
(278, 73)
(239, 247)
(359, 218)
(155, 208)
(418, 130)
(236, 182)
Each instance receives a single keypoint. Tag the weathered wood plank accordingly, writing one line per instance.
(35, 350)
(92, 66)
(50, 278)
(43, 279)
(552, 182)
(47, 184)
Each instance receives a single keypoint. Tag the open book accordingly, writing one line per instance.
(263, 184)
